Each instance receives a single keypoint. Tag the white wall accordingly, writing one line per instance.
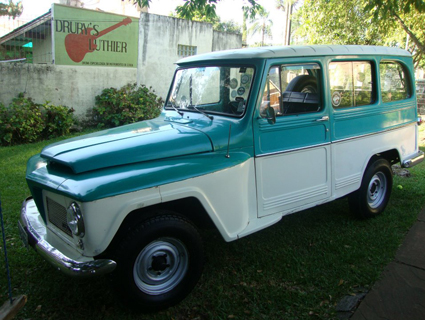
(74, 87)
(42, 50)
(159, 37)
(225, 41)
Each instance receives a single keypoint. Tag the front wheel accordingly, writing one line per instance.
(374, 193)
(158, 263)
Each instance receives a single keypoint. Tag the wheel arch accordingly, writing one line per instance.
(392, 156)
(189, 208)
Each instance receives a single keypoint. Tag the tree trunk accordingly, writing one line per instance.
(415, 40)
(244, 30)
(263, 30)
(287, 35)
(289, 25)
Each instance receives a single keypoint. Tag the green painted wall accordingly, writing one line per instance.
(90, 38)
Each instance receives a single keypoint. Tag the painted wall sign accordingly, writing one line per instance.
(91, 38)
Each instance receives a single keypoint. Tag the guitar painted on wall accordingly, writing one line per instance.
(77, 45)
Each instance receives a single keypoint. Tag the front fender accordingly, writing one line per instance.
(228, 196)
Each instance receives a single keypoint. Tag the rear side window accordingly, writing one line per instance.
(351, 83)
(394, 84)
(292, 89)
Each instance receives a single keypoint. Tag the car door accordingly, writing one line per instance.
(292, 148)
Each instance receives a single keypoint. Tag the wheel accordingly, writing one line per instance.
(374, 193)
(158, 263)
(303, 83)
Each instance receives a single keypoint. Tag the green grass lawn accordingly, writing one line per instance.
(297, 269)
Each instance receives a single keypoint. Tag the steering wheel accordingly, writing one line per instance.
(237, 106)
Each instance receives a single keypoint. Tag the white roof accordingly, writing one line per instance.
(295, 51)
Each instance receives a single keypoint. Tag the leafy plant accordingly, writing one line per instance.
(115, 107)
(25, 121)
(21, 122)
(58, 120)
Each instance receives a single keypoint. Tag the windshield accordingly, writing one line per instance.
(222, 90)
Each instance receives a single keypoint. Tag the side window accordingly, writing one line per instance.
(351, 83)
(272, 95)
(292, 89)
(394, 84)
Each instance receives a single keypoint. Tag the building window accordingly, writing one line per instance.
(185, 51)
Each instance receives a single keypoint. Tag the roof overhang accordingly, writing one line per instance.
(25, 33)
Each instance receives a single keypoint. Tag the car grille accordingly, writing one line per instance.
(57, 216)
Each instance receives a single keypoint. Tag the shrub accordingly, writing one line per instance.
(58, 120)
(25, 121)
(21, 122)
(115, 107)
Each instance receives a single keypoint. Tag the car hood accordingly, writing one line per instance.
(139, 142)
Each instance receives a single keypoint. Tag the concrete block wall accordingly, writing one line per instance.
(74, 87)
(420, 95)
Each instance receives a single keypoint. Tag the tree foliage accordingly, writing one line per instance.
(376, 22)
(217, 24)
(409, 17)
(12, 9)
(337, 22)
(191, 7)
(262, 24)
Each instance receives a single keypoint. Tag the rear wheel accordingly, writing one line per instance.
(374, 193)
(158, 263)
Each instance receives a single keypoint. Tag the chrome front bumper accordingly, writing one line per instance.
(413, 160)
(33, 231)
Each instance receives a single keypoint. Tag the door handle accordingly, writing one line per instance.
(324, 118)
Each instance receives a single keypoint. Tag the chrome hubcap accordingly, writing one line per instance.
(377, 190)
(160, 266)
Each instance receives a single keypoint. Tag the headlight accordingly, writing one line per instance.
(75, 219)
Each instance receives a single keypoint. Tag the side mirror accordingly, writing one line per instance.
(270, 115)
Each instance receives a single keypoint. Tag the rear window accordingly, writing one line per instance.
(394, 84)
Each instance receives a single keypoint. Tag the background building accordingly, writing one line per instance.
(69, 55)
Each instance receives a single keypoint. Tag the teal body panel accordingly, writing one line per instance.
(371, 119)
(289, 133)
(134, 143)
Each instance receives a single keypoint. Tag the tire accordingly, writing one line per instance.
(303, 83)
(374, 193)
(159, 262)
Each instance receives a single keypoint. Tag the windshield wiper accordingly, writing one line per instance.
(202, 112)
(175, 108)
